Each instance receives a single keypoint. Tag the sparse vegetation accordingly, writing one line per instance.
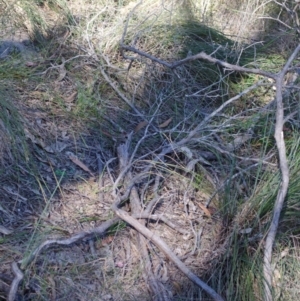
(122, 175)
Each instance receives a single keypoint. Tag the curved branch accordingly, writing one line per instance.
(14, 286)
(284, 168)
(65, 242)
(166, 250)
(200, 56)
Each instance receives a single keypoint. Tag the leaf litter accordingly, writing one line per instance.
(63, 199)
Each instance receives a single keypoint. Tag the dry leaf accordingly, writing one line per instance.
(31, 64)
(71, 98)
(166, 123)
(140, 126)
(76, 161)
(34, 139)
(119, 264)
(56, 147)
(203, 208)
(246, 231)
(62, 73)
(5, 231)
(107, 240)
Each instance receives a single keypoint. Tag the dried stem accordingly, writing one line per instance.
(200, 56)
(140, 227)
(100, 230)
(15, 284)
(284, 168)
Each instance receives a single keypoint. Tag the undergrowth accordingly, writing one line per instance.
(89, 105)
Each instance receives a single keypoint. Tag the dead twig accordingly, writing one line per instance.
(140, 227)
(279, 82)
(118, 91)
(284, 168)
(200, 56)
(165, 249)
(161, 217)
(100, 230)
(171, 147)
(158, 290)
(15, 284)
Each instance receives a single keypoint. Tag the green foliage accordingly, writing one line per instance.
(86, 105)
(14, 68)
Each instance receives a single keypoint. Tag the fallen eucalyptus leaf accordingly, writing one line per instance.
(166, 123)
(76, 161)
(140, 126)
(5, 231)
(246, 231)
(204, 209)
(71, 97)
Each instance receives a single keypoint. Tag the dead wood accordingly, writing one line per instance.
(165, 249)
(279, 82)
(157, 288)
(130, 180)
(15, 284)
(284, 168)
(100, 230)
(142, 229)
(200, 56)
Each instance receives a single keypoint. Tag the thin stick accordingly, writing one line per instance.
(166, 250)
(156, 287)
(200, 56)
(68, 241)
(279, 78)
(15, 284)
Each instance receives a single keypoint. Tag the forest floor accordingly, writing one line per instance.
(87, 127)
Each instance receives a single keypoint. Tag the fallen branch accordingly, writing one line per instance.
(161, 217)
(100, 230)
(158, 290)
(165, 249)
(279, 82)
(49, 243)
(125, 170)
(284, 168)
(15, 284)
(200, 56)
